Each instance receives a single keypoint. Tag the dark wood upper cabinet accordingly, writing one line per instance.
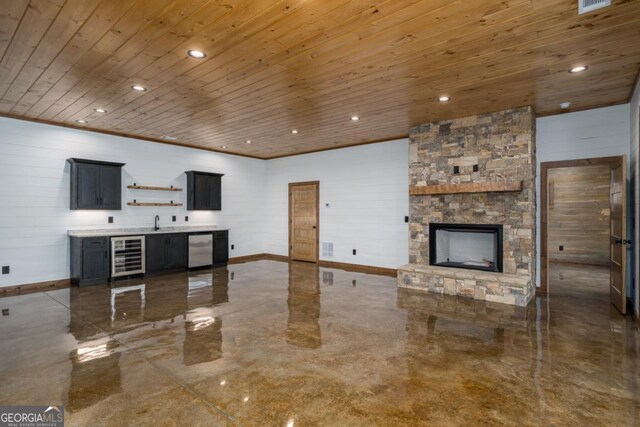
(204, 191)
(95, 184)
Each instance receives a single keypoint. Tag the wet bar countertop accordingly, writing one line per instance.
(143, 230)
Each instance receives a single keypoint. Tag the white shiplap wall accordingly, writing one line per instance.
(366, 188)
(634, 118)
(34, 194)
(600, 132)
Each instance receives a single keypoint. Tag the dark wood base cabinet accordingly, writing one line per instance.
(90, 263)
(166, 252)
(220, 248)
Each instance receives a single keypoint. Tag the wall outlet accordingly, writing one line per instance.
(353, 283)
(110, 220)
(354, 251)
(456, 170)
(561, 248)
(233, 247)
(5, 311)
(406, 219)
(475, 168)
(173, 218)
(5, 269)
(186, 219)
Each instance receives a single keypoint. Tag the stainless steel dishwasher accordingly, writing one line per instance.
(200, 249)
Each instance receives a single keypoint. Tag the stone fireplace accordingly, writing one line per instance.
(470, 246)
(472, 207)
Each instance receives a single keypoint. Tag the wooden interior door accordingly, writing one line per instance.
(303, 221)
(618, 236)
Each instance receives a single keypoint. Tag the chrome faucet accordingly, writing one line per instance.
(156, 223)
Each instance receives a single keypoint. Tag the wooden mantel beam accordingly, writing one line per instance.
(467, 187)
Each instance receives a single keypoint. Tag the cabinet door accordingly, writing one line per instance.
(95, 264)
(110, 187)
(177, 251)
(156, 252)
(87, 185)
(202, 192)
(215, 193)
(220, 247)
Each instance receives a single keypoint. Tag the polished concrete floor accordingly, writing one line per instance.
(277, 344)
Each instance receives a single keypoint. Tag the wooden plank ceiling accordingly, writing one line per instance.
(277, 65)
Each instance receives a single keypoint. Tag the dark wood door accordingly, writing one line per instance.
(110, 191)
(220, 247)
(303, 221)
(87, 184)
(176, 251)
(95, 263)
(618, 236)
(156, 252)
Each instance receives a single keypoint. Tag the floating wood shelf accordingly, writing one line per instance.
(153, 204)
(146, 187)
(468, 187)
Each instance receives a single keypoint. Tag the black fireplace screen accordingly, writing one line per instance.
(471, 246)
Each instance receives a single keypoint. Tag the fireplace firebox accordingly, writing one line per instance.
(470, 246)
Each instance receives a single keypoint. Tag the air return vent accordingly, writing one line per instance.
(327, 249)
(586, 6)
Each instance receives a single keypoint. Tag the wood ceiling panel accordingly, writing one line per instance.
(273, 66)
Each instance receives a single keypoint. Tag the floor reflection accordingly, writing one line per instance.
(95, 374)
(203, 340)
(286, 342)
(303, 324)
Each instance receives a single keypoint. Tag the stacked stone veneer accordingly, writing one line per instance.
(502, 144)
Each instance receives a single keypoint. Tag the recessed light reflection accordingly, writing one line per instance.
(86, 354)
(223, 382)
(203, 322)
(246, 399)
(444, 98)
(290, 423)
(100, 110)
(138, 88)
(294, 131)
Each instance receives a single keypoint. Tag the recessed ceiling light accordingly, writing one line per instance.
(248, 141)
(294, 131)
(444, 98)
(100, 110)
(224, 146)
(565, 105)
(82, 122)
(169, 137)
(355, 118)
(138, 88)
(578, 69)
(198, 54)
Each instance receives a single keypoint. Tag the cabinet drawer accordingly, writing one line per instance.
(95, 242)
